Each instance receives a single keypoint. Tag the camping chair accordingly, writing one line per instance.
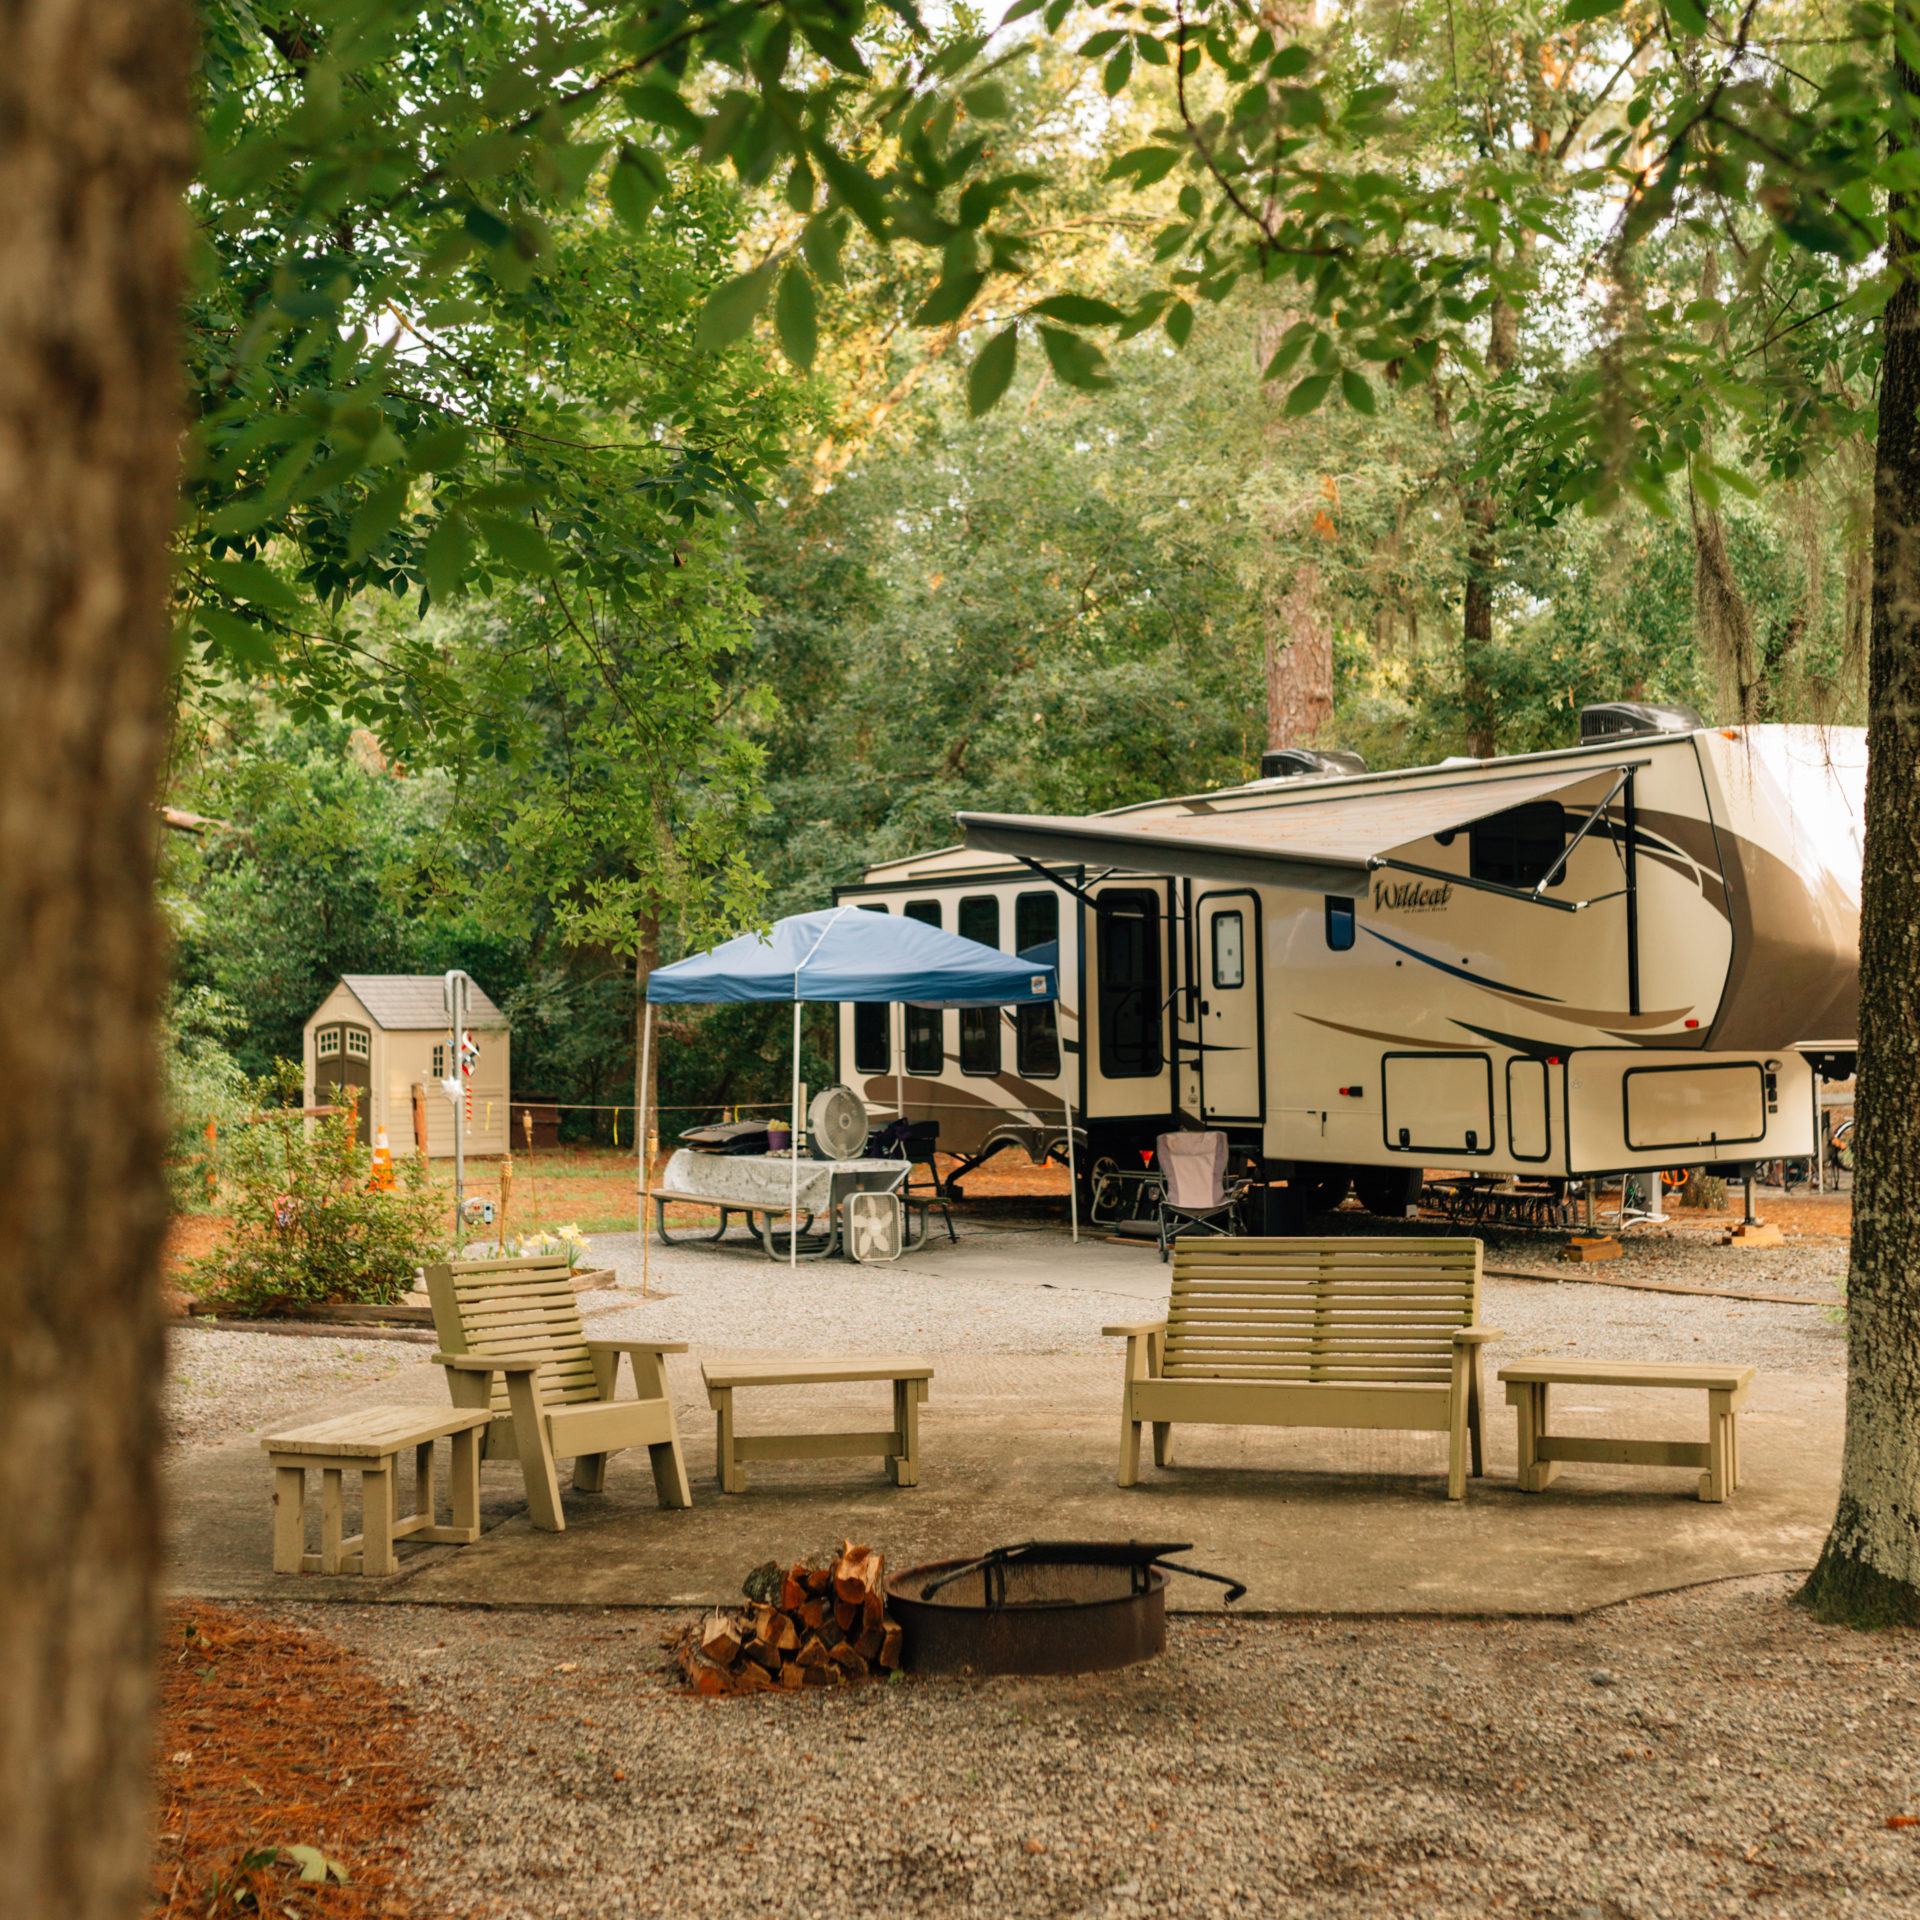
(1199, 1196)
(917, 1150)
(511, 1339)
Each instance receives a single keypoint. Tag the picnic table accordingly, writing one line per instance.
(760, 1187)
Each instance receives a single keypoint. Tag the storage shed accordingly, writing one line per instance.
(387, 1032)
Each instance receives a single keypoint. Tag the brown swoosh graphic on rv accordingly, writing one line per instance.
(1374, 1033)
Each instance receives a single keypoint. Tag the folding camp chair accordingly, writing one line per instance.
(917, 1150)
(1199, 1196)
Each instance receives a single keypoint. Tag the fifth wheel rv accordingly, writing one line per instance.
(1632, 953)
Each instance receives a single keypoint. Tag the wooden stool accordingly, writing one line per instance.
(1542, 1452)
(899, 1442)
(370, 1443)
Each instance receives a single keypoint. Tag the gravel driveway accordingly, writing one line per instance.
(1688, 1755)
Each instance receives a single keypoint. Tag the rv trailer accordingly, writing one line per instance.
(1633, 953)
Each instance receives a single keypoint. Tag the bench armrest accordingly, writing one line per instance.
(636, 1346)
(483, 1363)
(1476, 1336)
(1135, 1328)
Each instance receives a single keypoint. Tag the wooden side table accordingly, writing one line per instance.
(900, 1443)
(370, 1443)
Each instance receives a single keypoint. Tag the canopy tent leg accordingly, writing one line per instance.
(640, 1129)
(793, 1151)
(1073, 1172)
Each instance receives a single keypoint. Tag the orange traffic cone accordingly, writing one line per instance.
(381, 1179)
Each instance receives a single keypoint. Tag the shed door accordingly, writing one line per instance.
(343, 1057)
(1229, 962)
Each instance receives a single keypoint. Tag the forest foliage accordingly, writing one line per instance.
(648, 468)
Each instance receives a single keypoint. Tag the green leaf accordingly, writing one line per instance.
(449, 552)
(795, 317)
(250, 580)
(519, 543)
(236, 639)
(1579, 10)
(635, 185)
(856, 186)
(1144, 165)
(1075, 360)
(1308, 394)
(987, 101)
(1359, 394)
(375, 517)
(1119, 70)
(731, 309)
(1095, 44)
(664, 108)
(491, 154)
(1688, 15)
(949, 300)
(992, 371)
(1179, 322)
(821, 240)
(439, 450)
(1291, 60)
(1151, 307)
(1019, 11)
(1078, 310)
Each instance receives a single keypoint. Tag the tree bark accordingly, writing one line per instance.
(1299, 662)
(1869, 1570)
(94, 148)
(1476, 610)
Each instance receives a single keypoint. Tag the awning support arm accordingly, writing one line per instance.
(1053, 879)
(1586, 826)
(1532, 899)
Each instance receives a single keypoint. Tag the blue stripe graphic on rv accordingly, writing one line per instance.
(1460, 973)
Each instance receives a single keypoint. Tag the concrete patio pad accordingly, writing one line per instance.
(1021, 1446)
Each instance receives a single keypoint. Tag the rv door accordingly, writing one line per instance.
(1227, 955)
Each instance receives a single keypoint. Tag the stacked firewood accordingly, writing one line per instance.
(821, 1626)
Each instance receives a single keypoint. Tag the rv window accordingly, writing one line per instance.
(1517, 848)
(1229, 950)
(1339, 923)
(1130, 993)
(872, 1028)
(924, 1035)
(980, 1026)
(1036, 937)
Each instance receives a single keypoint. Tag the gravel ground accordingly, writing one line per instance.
(220, 1384)
(1687, 1755)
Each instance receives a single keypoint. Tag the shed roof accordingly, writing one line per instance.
(413, 1002)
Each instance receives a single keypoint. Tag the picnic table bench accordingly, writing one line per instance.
(1542, 1453)
(900, 1443)
(370, 1442)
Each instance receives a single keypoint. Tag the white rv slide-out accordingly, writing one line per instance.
(1632, 953)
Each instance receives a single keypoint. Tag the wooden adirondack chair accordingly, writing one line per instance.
(1312, 1333)
(511, 1339)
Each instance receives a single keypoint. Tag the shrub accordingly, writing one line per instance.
(204, 1086)
(306, 1227)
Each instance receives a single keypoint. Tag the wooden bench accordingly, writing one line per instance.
(370, 1443)
(1369, 1333)
(1542, 1453)
(900, 1443)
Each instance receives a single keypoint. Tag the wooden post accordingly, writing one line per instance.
(420, 1121)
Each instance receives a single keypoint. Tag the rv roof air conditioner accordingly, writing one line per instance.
(1289, 763)
(1616, 719)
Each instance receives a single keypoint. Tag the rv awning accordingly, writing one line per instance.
(1318, 842)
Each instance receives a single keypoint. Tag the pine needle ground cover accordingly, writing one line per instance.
(286, 1777)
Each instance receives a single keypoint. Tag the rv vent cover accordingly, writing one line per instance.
(1288, 763)
(1615, 719)
(837, 1124)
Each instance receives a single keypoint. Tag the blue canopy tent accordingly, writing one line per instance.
(846, 953)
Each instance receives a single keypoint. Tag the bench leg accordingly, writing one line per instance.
(1717, 1482)
(423, 1500)
(330, 1506)
(289, 1518)
(1162, 1429)
(904, 1464)
(1457, 1431)
(1475, 1410)
(536, 1454)
(463, 1483)
(664, 1456)
(590, 1472)
(733, 1477)
(377, 1489)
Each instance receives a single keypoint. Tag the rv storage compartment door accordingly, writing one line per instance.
(1695, 1106)
(1437, 1102)
(1529, 1117)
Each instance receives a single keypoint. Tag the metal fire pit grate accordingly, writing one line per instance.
(1047, 1606)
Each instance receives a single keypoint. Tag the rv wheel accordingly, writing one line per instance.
(1388, 1191)
(1321, 1188)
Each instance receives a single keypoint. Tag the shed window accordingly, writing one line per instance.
(328, 1043)
(357, 1042)
(440, 1063)
(1129, 957)
(1517, 848)
(924, 1024)
(980, 1026)
(872, 1030)
(1036, 937)
(1339, 923)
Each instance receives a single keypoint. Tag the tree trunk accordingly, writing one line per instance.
(94, 148)
(1869, 1571)
(1299, 661)
(1476, 611)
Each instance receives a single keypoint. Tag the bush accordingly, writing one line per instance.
(204, 1085)
(306, 1227)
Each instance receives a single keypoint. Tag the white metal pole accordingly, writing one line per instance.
(458, 982)
(793, 1153)
(1073, 1172)
(640, 1129)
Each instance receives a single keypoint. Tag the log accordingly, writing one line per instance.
(890, 1646)
(848, 1617)
(875, 1609)
(720, 1639)
(761, 1653)
(868, 1645)
(818, 1579)
(748, 1678)
(709, 1679)
(793, 1678)
(815, 1676)
(813, 1652)
(793, 1590)
(856, 1574)
(849, 1662)
(830, 1634)
(811, 1613)
(782, 1635)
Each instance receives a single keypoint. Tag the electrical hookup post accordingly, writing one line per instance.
(457, 994)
